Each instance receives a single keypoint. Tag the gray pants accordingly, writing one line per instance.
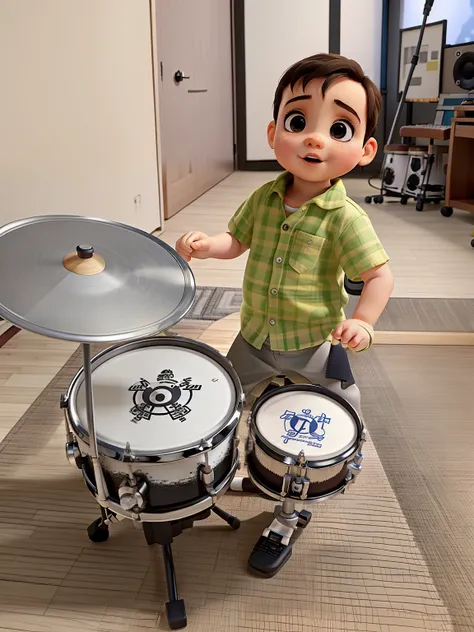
(254, 366)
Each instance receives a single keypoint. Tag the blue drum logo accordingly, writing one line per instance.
(304, 427)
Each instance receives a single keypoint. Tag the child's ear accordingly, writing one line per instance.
(271, 133)
(369, 151)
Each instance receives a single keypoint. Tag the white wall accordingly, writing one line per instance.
(77, 120)
(361, 34)
(277, 34)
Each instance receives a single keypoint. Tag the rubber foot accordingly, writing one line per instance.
(98, 531)
(176, 614)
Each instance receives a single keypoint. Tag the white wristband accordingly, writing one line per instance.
(370, 330)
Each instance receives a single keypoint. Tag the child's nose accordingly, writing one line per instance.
(314, 141)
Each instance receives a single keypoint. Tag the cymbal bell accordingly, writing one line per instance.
(84, 261)
(90, 280)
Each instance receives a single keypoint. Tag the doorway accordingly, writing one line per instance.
(195, 85)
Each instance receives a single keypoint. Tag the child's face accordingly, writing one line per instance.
(319, 139)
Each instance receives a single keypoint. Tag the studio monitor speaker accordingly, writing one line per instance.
(458, 69)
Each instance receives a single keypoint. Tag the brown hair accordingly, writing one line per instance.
(332, 67)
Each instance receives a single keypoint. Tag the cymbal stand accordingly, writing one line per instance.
(101, 485)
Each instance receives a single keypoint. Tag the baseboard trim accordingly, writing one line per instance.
(425, 338)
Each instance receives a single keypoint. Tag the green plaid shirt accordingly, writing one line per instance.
(293, 291)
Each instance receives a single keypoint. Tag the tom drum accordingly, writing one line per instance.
(304, 443)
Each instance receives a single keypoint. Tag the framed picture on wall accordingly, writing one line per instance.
(426, 81)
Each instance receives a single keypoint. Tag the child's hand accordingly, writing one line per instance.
(193, 245)
(351, 334)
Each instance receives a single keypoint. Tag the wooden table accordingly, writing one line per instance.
(432, 132)
(460, 175)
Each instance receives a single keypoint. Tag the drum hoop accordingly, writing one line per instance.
(282, 457)
(211, 441)
(182, 309)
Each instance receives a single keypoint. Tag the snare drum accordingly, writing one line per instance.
(166, 413)
(304, 443)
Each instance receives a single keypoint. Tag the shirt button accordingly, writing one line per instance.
(274, 291)
(285, 227)
(272, 321)
(278, 259)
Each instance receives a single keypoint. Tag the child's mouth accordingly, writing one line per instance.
(312, 159)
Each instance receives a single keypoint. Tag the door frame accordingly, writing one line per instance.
(156, 105)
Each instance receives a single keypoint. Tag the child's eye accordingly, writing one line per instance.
(342, 130)
(295, 122)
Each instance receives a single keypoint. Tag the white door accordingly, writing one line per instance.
(195, 86)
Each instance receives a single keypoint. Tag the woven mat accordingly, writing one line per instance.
(357, 566)
(401, 314)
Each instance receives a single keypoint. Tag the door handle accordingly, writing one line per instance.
(178, 76)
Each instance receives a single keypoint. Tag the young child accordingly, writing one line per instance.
(304, 233)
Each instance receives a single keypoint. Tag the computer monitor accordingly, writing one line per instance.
(445, 107)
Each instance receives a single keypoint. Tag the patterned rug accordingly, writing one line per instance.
(401, 314)
(392, 554)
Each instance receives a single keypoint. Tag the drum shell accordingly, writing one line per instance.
(270, 473)
(171, 483)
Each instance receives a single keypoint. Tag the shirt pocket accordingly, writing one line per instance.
(306, 251)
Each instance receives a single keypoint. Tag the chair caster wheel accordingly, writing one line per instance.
(368, 199)
(304, 518)
(98, 531)
(176, 614)
(419, 205)
(378, 199)
(472, 243)
(404, 200)
(446, 211)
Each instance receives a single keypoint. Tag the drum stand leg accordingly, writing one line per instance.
(163, 533)
(232, 521)
(175, 608)
(274, 549)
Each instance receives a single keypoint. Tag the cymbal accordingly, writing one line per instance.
(90, 280)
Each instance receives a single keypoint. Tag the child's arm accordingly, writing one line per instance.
(229, 245)
(378, 286)
(198, 245)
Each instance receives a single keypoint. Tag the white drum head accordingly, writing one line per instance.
(297, 420)
(158, 399)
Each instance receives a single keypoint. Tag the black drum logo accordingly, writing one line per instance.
(167, 396)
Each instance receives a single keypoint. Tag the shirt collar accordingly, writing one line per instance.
(333, 198)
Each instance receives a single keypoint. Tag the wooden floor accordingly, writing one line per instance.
(430, 256)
